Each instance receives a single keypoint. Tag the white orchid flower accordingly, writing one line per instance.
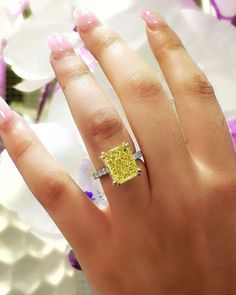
(11, 16)
(31, 59)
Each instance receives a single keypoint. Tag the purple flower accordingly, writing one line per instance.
(233, 21)
(42, 100)
(89, 194)
(2, 69)
(232, 127)
(1, 146)
(73, 261)
(225, 10)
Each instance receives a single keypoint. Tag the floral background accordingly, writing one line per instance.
(34, 256)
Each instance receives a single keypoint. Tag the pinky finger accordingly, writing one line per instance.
(47, 180)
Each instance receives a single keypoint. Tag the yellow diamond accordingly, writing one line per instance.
(121, 164)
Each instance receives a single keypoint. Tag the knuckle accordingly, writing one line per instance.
(198, 85)
(8, 124)
(223, 190)
(144, 88)
(167, 41)
(108, 41)
(72, 70)
(54, 189)
(22, 148)
(23, 142)
(227, 184)
(103, 124)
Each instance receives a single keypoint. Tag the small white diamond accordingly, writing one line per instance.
(95, 175)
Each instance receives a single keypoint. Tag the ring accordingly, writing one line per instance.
(120, 164)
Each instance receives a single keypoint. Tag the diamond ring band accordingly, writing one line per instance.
(120, 164)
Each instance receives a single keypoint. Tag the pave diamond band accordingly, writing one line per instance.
(120, 164)
(101, 172)
(137, 155)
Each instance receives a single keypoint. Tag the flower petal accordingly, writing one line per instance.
(38, 6)
(32, 85)
(27, 51)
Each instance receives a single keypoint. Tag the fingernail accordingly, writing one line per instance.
(6, 113)
(153, 19)
(85, 20)
(58, 44)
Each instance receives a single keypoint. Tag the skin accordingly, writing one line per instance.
(173, 229)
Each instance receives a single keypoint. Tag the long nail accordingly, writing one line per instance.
(85, 20)
(58, 44)
(6, 113)
(153, 19)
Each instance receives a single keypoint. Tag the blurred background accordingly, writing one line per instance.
(27, 103)
(34, 256)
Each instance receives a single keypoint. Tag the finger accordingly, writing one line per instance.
(200, 115)
(98, 122)
(143, 98)
(71, 210)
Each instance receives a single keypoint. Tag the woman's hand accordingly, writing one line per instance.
(173, 229)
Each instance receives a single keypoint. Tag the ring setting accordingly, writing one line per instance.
(120, 164)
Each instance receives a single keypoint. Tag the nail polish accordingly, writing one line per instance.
(85, 20)
(6, 113)
(153, 19)
(58, 44)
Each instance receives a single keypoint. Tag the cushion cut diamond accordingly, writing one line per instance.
(121, 164)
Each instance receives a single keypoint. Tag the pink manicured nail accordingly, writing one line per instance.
(85, 20)
(58, 44)
(5, 112)
(153, 19)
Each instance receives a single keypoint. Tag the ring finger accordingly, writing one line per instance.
(144, 100)
(97, 120)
